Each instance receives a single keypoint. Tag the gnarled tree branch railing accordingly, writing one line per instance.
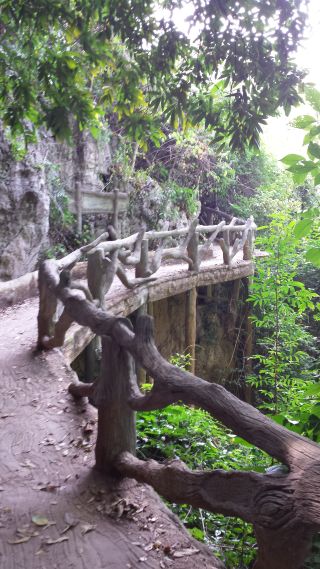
(283, 506)
(109, 255)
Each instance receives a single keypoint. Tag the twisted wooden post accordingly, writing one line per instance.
(193, 252)
(115, 216)
(116, 420)
(248, 246)
(47, 309)
(143, 265)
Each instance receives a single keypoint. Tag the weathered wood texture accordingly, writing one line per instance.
(17, 290)
(283, 506)
(169, 316)
(191, 325)
(279, 505)
(97, 202)
(116, 420)
(25, 287)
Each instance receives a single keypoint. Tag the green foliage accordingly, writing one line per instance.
(262, 188)
(299, 166)
(313, 255)
(201, 442)
(83, 59)
(59, 211)
(62, 223)
(194, 437)
(183, 361)
(309, 226)
(184, 198)
(284, 363)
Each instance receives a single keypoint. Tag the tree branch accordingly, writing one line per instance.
(228, 493)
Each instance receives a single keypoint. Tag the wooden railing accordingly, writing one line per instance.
(281, 505)
(108, 256)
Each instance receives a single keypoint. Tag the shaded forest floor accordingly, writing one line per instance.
(56, 511)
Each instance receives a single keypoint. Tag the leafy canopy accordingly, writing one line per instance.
(86, 58)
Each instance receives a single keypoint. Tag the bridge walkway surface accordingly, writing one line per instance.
(56, 511)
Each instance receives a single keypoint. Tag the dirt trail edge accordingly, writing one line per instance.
(56, 511)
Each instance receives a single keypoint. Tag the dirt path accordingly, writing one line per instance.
(47, 476)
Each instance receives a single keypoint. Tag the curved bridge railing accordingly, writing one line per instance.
(282, 504)
(108, 256)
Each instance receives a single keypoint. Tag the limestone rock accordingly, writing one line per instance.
(151, 204)
(24, 211)
(25, 188)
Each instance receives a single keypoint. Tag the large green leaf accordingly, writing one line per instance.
(313, 256)
(303, 227)
(304, 121)
(299, 177)
(313, 389)
(291, 159)
(315, 410)
(314, 149)
(305, 167)
(313, 97)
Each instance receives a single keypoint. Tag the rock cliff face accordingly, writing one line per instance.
(25, 193)
(24, 211)
(51, 169)
(151, 205)
(85, 161)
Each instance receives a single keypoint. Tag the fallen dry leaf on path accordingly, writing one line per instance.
(85, 528)
(19, 540)
(70, 521)
(185, 552)
(27, 464)
(58, 540)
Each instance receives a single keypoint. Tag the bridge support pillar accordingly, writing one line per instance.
(191, 325)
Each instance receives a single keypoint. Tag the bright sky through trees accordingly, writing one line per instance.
(279, 136)
(309, 52)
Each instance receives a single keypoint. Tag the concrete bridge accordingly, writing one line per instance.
(50, 496)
